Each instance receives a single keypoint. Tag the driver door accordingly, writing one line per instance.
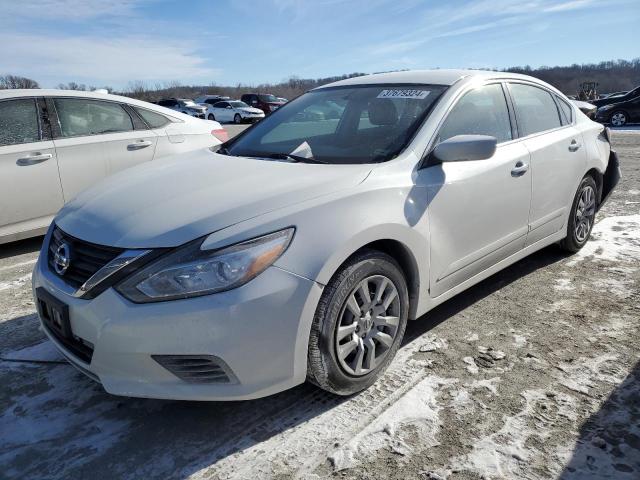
(478, 210)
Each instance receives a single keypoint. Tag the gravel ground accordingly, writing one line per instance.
(532, 374)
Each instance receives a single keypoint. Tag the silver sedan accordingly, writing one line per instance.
(300, 249)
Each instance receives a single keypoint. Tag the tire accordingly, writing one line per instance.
(582, 216)
(618, 118)
(211, 117)
(336, 329)
(237, 118)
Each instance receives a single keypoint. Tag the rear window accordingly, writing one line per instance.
(535, 109)
(360, 124)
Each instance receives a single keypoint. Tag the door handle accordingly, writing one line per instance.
(574, 146)
(139, 144)
(34, 159)
(520, 169)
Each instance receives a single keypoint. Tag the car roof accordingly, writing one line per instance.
(52, 92)
(428, 77)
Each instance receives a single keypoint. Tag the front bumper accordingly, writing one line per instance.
(260, 331)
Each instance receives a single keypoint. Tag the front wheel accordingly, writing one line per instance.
(237, 118)
(359, 324)
(618, 119)
(211, 117)
(582, 216)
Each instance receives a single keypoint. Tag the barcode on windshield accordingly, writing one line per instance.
(417, 94)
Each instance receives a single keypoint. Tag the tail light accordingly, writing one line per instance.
(221, 134)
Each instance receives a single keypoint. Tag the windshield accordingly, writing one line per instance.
(238, 104)
(268, 98)
(341, 125)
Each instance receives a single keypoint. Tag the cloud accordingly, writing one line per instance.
(571, 5)
(114, 61)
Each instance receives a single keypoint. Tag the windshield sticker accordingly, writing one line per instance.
(418, 94)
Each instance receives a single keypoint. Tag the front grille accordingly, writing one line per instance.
(86, 258)
(197, 368)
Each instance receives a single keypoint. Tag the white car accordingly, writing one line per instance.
(302, 247)
(184, 105)
(233, 111)
(55, 143)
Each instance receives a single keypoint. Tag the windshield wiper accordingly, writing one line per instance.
(293, 158)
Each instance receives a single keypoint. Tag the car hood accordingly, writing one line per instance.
(166, 203)
(250, 110)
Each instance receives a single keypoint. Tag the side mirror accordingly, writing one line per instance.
(464, 147)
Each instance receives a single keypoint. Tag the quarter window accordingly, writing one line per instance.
(19, 122)
(535, 109)
(153, 119)
(566, 112)
(79, 116)
(482, 111)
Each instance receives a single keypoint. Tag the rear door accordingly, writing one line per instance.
(222, 113)
(478, 210)
(96, 138)
(30, 191)
(558, 159)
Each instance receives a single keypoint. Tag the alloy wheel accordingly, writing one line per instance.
(618, 119)
(368, 325)
(585, 213)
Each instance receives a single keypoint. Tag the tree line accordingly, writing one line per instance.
(611, 76)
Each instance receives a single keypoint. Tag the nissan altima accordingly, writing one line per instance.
(300, 249)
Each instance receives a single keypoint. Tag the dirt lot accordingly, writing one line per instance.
(532, 374)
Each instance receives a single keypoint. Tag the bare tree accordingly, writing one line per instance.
(15, 81)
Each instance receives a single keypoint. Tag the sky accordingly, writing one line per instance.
(227, 42)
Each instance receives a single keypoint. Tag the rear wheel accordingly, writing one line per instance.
(618, 119)
(582, 216)
(211, 117)
(237, 118)
(359, 324)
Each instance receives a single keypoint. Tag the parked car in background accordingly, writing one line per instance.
(615, 98)
(283, 100)
(233, 111)
(207, 100)
(56, 143)
(623, 111)
(614, 94)
(589, 109)
(300, 249)
(264, 101)
(184, 105)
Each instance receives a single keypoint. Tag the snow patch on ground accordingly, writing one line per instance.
(614, 239)
(519, 341)
(40, 352)
(18, 282)
(563, 284)
(418, 408)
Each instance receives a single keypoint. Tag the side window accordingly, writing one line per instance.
(218, 105)
(566, 112)
(482, 111)
(535, 109)
(153, 119)
(19, 122)
(80, 116)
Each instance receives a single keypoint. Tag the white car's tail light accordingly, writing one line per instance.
(189, 271)
(221, 134)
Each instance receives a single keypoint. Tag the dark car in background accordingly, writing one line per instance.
(617, 97)
(264, 101)
(625, 110)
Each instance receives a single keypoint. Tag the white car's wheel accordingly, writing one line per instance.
(359, 324)
(237, 118)
(211, 117)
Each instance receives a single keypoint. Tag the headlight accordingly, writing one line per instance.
(605, 108)
(191, 272)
